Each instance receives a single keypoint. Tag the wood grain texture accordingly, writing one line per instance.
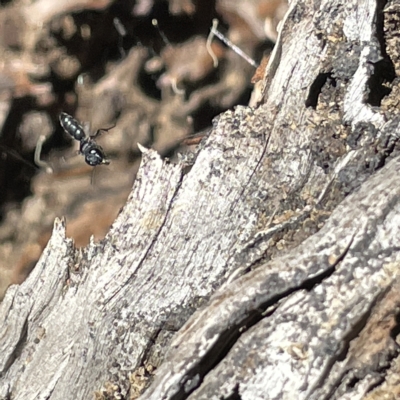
(273, 253)
(285, 329)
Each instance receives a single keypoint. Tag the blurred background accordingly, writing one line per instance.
(107, 62)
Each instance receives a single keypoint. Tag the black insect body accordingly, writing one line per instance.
(94, 154)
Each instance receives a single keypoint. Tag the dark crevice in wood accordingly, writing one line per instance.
(227, 339)
(315, 89)
(217, 353)
(353, 381)
(235, 395)
(380, 26)
(396, 329)
(384, 72)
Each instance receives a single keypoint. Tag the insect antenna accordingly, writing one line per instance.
(99, 132)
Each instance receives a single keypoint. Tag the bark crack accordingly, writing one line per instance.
(230, 336)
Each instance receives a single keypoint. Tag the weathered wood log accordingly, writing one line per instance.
(274, 252)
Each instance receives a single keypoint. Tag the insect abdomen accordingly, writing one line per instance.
(71, 126)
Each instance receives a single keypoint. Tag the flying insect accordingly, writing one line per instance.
(93, 153)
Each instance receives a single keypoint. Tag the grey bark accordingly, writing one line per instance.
(272, 259)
